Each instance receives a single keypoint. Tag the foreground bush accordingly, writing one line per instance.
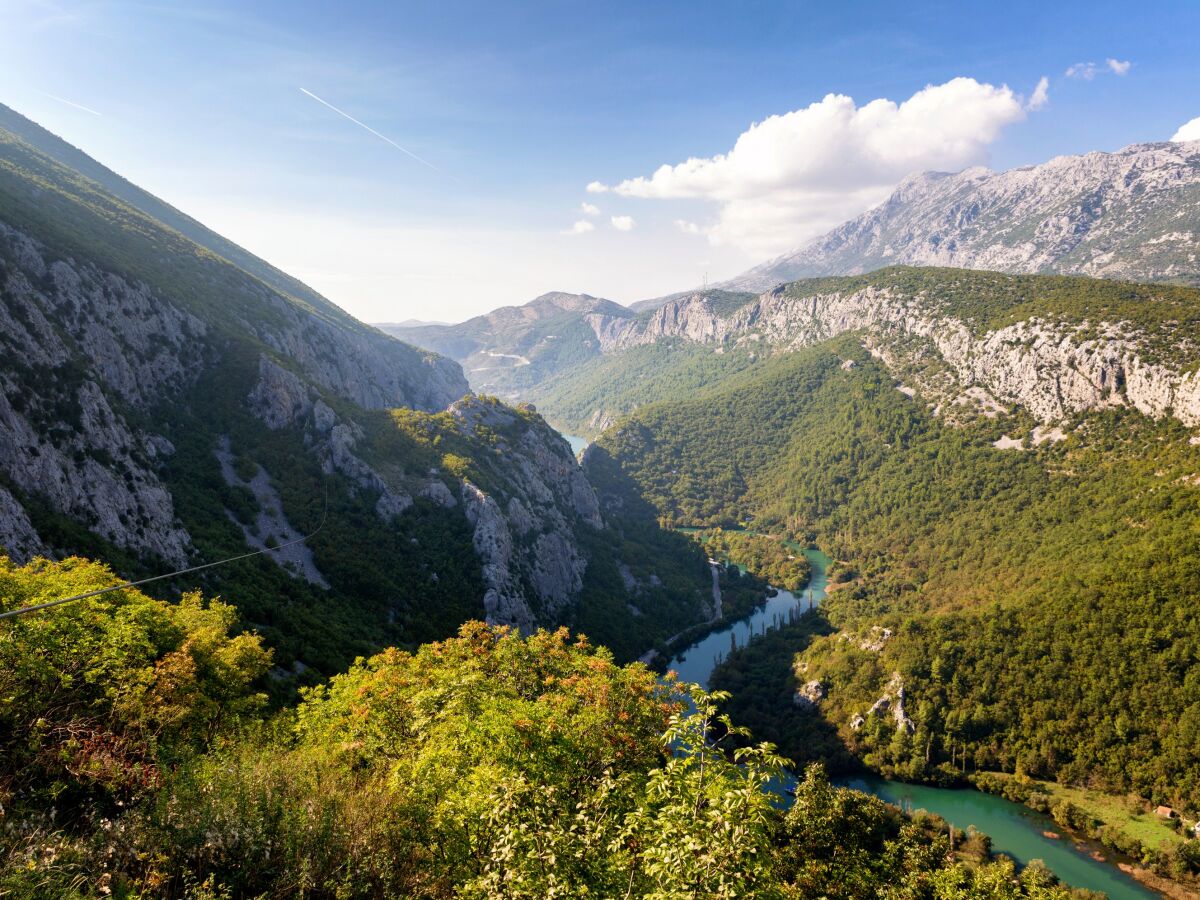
(489, 765)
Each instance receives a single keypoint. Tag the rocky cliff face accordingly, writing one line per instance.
(1051, 369)
(525, 529)
(88, 353)
(74, 336)
(168, 397)
(1132, 214)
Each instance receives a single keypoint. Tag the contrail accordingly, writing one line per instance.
(382, 137)
(69, 103)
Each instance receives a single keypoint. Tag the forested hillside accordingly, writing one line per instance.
(1040, 592)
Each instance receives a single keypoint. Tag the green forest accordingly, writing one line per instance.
(143, 763)
(780, 565)
(1041, 602)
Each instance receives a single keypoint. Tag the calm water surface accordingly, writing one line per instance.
(578, 444)
(1014, 829)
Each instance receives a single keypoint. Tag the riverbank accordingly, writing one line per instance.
(1015, 830)
(1154, 852)
(762, 684)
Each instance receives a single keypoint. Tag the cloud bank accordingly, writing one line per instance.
(796, 175)
(1189, 131)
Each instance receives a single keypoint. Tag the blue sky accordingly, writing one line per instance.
(520, 106)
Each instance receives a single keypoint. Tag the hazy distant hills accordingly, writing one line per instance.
(1133, 214)
(514, 347)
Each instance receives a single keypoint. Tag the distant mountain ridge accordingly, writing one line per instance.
(1132, 214)
(1055, 346)
(511, 348)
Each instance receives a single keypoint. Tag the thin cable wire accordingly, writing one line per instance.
(12, 613)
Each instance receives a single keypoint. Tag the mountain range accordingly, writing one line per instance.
(1133, 215)
(170, 399)
(981, 399)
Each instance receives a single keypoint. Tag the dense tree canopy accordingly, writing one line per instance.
(138, 762)
(1041, 601)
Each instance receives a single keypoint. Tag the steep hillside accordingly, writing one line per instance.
(1006, 468)
(58, 150)
(164, 405)
(1052, 346)
(1011, 574)
(1133, 214)
(136, 761)
(515, 347)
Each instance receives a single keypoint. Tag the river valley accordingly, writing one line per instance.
(1015, 830)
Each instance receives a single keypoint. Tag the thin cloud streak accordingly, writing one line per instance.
(382, 137)
(69, 103)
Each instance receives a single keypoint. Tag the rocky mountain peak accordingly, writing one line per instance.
(1133, 213)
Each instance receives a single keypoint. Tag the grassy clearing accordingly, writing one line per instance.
(1131, 815)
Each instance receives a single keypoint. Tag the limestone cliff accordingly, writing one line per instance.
(1050, 366)
(1132, 214)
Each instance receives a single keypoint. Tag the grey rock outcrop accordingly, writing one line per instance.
(892, 701)
(1131, 214)
(504, 600)
(525, 525)
(1049, 369)
(72, 336)
(280, 399)
(18, 538)
(809, 696)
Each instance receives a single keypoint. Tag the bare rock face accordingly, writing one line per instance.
(504, 599)
(18, 538)
(1050, 370)
(891, 702)
(809, 696)
(71, 336)
(1131, 214)
(80, 347)
(281, 399)
(359, 364)
(526, 522)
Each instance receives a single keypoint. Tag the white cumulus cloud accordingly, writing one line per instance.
(597, 187)
(1117, 67)
(794, 176)
(590, 209)
(688, 227)
(623, 223)
(1189, 131)
(583, 226)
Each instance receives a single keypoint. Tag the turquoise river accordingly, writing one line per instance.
(1014, 829)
